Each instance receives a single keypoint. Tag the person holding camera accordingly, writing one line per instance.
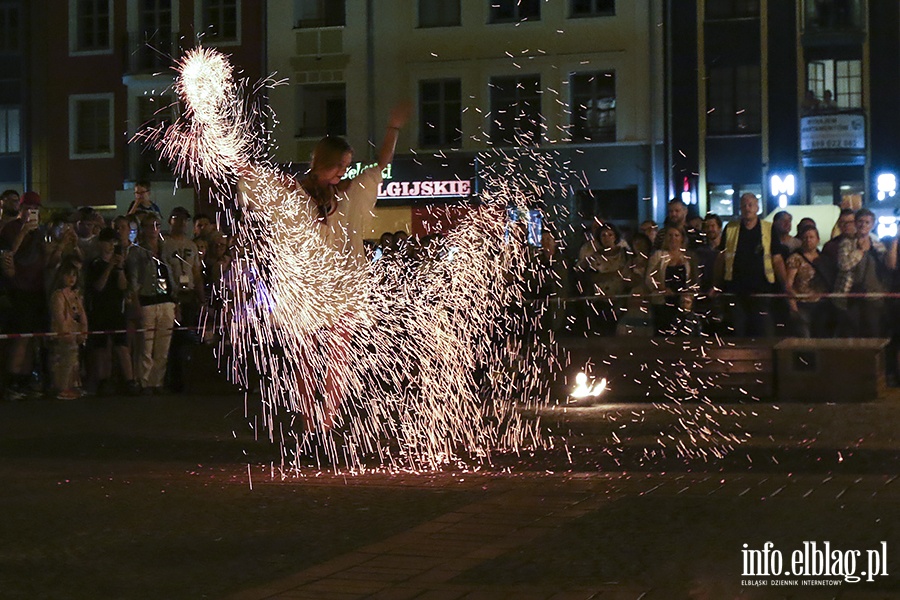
(106, 285)
(23, 260)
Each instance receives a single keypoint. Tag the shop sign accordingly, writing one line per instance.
(833, 132)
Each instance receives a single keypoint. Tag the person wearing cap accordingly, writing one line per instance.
(181, 253)
(23, 260)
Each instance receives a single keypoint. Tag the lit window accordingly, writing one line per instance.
(837, 84)
(593, 106)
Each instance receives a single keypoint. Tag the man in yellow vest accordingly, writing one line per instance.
(747, 247)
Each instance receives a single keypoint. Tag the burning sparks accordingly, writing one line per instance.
(414, 361)
(584, 390)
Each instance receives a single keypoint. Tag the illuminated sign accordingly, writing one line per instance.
(782, 188)
(887, 185)
(425, 189)
(419, 178)
(833, 132)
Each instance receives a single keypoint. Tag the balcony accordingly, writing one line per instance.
(833, 137)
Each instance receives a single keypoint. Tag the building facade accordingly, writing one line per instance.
(793, 100)
(577, 82)
(107, 77)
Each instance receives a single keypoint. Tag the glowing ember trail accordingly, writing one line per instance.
(433, 363)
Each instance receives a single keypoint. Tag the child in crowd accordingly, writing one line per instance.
(69, 322)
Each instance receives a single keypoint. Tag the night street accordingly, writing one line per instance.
(171, 497)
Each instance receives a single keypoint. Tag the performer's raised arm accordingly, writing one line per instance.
(398, 118)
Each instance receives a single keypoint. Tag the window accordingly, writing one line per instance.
(834, 15)
(837, 84)
(320, 13)
(509, 11)
(9, 130)
(733, 102)
(516, 110)
(439, 13)
(91, 27)
(90, 126)
(732, 9)
(591, 8)
(618, 205)
(9, 28)
(440, 113)
(593, 106)
(725, 199)
(322, 110)
(154, 42)
(220, 20)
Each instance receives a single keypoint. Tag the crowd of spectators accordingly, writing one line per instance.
(116, 305)
(746, 278)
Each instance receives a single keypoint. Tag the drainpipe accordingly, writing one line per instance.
(370, 76)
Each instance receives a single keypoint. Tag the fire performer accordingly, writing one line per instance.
(339, 210)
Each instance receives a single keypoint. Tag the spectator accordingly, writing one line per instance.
(609, 270)
(805, 285)
(650, 229)
(61, 247)
(810, 103)
(181, 254)
(785, 244)
(676, 216)
(695, 223)
(127, 231)
(828, 104)
(400, 239)
(708, 305)
(636, 319)
(672, 279)
(9, 207)
(69, 323)
(844, 229)
(748, 274)
(24, 263)
(864, 264)
(106, 284)
(150, 280)
(143, 203)
(204, 227)
(218, 259)
(88, 223)
(385, 244)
